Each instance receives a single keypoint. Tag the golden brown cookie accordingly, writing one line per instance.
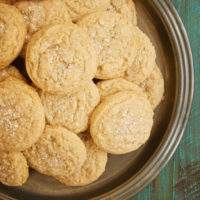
(143, 63)
(114, 39)
(22, 118)
(38, 14)
(93, 167)
(58, 152)
(122, 122)
(78, 8)
(71, 110)
(10, 71)
(125, 8)
(153, 86)
(60, 58)
(12, 34)
(113, 86)
(13, 168)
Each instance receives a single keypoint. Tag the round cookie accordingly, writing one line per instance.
(93, 167)
(114, 40)
(58, 152)
(13, 168)
(143, 63)
(125, 8)
(71, 110)
(153, 86)
(11, 71)
(78, 8)
(12, 34)
(38, 14)
(113, 86)
(59, 58)
(22, 118)
(122, 122)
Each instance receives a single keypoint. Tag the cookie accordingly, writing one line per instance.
(143, 63)
(114, 40)
(38, 14)
(10, 71)
(22, 118)
(113, 86)
(93, 167)
(71, 110)
(58, 152)
(153, 86)
(59, 58)
(125, 8)
(77, 9)
(12, 34)
(13, 168)
(122, 122)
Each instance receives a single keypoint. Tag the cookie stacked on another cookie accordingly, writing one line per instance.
(61, 61)
(40, 13)
(114, 41)
(67, 123)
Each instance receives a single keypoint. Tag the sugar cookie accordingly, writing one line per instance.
(60, 58)
(122, 122)
(58, 152)
(125, 8)
(79, 8)
(12, 34)
(10, 71)
(13, 168)
(71, 110)
(38, 14)
(113, 86)
(114, 39)
(153, 86)
(22, 116)
(143, 63)
(93, 167)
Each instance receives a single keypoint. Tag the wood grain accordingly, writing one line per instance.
(180, 179)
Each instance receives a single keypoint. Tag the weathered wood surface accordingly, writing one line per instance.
(180, 179)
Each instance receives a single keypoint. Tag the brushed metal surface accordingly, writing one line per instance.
(125, 175)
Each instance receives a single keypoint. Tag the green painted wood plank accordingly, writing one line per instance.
(180, 179)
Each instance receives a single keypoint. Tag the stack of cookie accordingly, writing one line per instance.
(94, 87)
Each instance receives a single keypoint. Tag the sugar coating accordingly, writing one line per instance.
(71, 110)
(113, 86)
(38, 14)
(13, 168)
(122, 122)
(153, 86)
(12, 34)
(93, 167)
(22, 116)
(59, 58)
(10, 71)
(58, 152)
(143, 63)
(78, 8)
(114, 40)
(125, 8)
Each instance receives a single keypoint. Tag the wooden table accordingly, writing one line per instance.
(180, 179)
